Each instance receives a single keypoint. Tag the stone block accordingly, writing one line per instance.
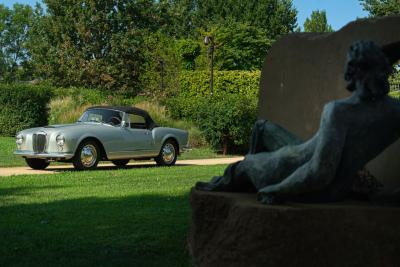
(234, 229)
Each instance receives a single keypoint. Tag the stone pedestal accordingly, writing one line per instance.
(232, 229)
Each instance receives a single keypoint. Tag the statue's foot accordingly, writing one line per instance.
(203, 186)
(269, 199)
(213, 185)
(268, 195)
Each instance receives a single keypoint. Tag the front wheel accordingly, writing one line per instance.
(87, 156)
(168, 154)
(37, 164)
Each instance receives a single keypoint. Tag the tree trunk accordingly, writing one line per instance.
(225, 144)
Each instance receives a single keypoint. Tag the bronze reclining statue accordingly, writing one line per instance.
(352, 132)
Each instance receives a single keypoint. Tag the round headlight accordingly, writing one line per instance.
(19, 139)
(60, 140)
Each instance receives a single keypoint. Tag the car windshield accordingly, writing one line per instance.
(108, 116)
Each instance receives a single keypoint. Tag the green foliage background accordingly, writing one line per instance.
(23, 106)
(317, 22)
(379, 8)
(225, 118)
(225, 82)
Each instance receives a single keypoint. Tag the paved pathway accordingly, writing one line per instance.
(134, 164)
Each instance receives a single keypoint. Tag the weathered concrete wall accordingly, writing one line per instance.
(304, 71)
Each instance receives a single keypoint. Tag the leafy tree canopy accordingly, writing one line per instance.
(274, 17)
(119, 44)
(238, 46)
(317, 22)
(93, 43)
(14, 55)
(379, 8)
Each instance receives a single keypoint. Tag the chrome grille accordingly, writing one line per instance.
(39, 143)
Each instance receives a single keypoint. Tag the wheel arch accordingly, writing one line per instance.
(103, 154)
(174, 139)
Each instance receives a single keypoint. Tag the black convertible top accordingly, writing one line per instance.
(131, 110)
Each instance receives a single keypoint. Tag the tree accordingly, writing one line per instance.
(379, 8)
(14, 55)
(273, 17)
(188, 50)
(160, 70)
(238, 46)
(93, 43)
(317, 22)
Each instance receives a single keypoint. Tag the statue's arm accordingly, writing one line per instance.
(268, 136)
(317, 173)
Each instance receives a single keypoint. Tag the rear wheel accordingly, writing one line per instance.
(86, 156)
(120, 162)
(168, 154)
(37, 164)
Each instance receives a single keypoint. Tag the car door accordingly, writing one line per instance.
(137, 137)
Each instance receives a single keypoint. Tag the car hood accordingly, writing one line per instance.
(58, 126)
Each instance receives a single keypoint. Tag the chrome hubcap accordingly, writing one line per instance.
(168, 153)
(88, 156)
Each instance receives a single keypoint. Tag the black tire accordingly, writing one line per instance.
(168, 154)
(37, 164)
(87, 155)
(120, 162)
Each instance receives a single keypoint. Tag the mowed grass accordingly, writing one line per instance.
(125, 217)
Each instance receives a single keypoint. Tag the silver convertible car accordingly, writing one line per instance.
(117, 134)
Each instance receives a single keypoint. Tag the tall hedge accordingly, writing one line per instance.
(23, 106)
(197, 83)
(226, 118)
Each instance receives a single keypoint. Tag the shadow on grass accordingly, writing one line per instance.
(145, 230)
(24, 191)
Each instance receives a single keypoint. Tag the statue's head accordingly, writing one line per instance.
(368, 69)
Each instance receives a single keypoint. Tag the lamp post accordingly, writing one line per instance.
(209, 40)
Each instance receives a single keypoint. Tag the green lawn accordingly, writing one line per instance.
(126, 217)
(7, 158)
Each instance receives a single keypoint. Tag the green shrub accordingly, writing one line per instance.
(197, 83)
(225, 120)
(23, 106)
(395, 94)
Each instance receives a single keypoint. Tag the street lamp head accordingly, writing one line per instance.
(208, 40)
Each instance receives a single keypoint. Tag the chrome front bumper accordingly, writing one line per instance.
(50, 156)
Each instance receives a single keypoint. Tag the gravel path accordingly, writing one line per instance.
(106, 166)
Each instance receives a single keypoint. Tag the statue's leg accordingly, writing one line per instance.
(244, 176)
(258, 170)
(229, 182)
(268, 136)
